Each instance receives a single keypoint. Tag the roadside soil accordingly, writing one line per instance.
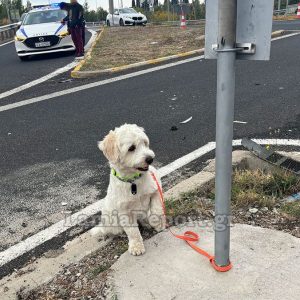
(126, 45)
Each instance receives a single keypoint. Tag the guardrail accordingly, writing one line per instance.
(290, 10)
(94, 24)
(8, 31)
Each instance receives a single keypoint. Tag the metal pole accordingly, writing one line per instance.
(111, 10)
(224, 126)
(279, 4)
(286, 7)
(168, 5)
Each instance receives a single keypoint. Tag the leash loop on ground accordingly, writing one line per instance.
(190, 237)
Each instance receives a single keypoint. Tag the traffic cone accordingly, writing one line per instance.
(183, 22)
(298, 11)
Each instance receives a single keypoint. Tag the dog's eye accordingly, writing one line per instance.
(131, 148)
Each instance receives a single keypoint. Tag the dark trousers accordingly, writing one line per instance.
(76, 34)
(83, 35)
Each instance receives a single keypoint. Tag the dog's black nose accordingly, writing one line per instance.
(149, 160)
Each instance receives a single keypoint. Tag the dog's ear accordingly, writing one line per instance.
(109, 147)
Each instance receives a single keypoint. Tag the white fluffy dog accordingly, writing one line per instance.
(132, 193)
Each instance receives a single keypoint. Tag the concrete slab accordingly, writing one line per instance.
(266, 266)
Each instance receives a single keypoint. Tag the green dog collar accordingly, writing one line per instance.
(129, 179)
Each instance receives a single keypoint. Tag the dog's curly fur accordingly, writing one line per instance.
(127, 150)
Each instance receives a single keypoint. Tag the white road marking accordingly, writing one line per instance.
(93, 84)
(48, 76)
(82, 215)
(98, 83)
(38, 81)
(6, 43)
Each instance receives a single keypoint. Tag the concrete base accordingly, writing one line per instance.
(265, 266)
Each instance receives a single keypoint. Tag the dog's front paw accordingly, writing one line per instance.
(136, 248)
(160, 228)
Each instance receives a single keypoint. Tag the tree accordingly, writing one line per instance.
(145, 5)
(199, 10)
(138, 3)
(133, 3)
(86, 6)
(101, 14)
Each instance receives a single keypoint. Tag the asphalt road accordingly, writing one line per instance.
(286, 25)
(48, 152)
(15, 72)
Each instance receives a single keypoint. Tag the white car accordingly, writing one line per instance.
(126, 16)
(42, 32)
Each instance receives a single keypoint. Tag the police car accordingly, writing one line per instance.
(42, 32)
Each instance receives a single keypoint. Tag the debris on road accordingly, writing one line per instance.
(187, 120)
(174, 128)
(66, 80)
(292, 198)
(240, 122)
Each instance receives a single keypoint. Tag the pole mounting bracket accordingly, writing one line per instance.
(240, 48)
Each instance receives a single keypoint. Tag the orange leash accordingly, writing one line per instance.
(190, 237)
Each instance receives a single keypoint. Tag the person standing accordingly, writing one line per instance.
(75, 25)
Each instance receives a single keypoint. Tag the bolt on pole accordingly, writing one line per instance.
(227, 15)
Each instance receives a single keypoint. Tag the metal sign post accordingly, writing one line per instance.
(111, 10)
(235, 29)
(224, 126)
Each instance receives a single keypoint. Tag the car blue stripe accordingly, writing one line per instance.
(59, 28)
(23, 31)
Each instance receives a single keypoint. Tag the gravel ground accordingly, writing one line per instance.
(125, 45)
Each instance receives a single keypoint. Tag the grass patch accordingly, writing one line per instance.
(285, 18)
(292, 209)
(126, 45)
(261, 189)
(249, 189)
(94, 272)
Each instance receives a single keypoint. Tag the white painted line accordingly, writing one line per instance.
(91, 40)
(82, 215)
(88, 86)
(93, 84)
(184, 160)
(38, 81)
(285, 36)
(48, 76)
(6, 43)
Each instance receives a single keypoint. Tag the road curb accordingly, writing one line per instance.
(76, 70)
(65, 229)
(278, 33)
(77, 73)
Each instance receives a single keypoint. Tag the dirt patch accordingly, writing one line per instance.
(126, 45)
(285, 18)
(87, 279)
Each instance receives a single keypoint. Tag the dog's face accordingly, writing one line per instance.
(127, 147)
